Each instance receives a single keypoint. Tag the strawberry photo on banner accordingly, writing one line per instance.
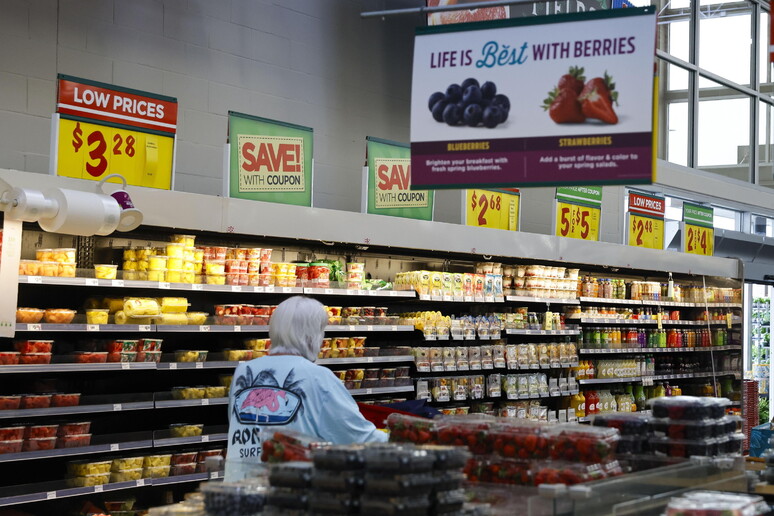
(537, 101)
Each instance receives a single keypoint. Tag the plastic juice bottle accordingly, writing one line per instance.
(591, 403)
(590, 372)
(676, 391)
(580, 371)
(578, 403)
(613, 403)
(667, 389)
(659, 391)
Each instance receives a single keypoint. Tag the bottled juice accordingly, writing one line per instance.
(578, 403)
(591, 403)
(590, 372)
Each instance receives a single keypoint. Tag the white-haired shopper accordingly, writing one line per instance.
(287, 390)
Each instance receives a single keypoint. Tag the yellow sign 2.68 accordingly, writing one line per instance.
(577, 221)
(492, 209)
(93, 151)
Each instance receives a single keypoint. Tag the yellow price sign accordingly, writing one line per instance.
(646, 232)
(492, 209)
(577, 221)
(699, 240)
(93, 151)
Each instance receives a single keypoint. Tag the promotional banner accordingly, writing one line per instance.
(497, 209)
(646, 220)
(269, 160)
(104, 129)
(388, 182)
(699, 230)
(558, 100)
(578, 212)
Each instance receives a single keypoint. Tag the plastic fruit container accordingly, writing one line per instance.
(519, 441)
(68, 429)
(29, 315)
(148, 345)
(183, 458)
(89, 480)
(405, 428)
(119, 345)
(10, 402)
(12, 433)
(216, 391)
(126, 475)
(399, 460)
(39, 443)
(684, 448)
(197, 318)
(582, 444)
(185, 430)
(141, 307)
(105, 271)
(126, 463)
(35, 358)
(389, 506)
(563, 472)
(630, 444)
(683, 408)
(183, 469)
(223, 499)
(33, 346)
(155, 472)
(151, 461)
(90, 357)
(29, 267)
(97, 316)
(237, 355)
(188, 393)
(191, 355)
(292, 474)
(124, 356)
(82, 468)
(14, 446)
(148, 356)
(73, 441)
(687, 429)
(33, 401)
(58, 315)
(9, 357)
(40, 431)
(627, 424)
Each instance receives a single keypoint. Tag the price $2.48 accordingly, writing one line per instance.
(97, 147)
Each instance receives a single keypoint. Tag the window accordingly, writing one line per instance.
(762, 225)
(726, 219)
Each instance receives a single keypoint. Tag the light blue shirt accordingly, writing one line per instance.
(287, 392)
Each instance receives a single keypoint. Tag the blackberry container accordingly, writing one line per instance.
(291, 474)
(394, 506)
(233, 499)
(414, 484)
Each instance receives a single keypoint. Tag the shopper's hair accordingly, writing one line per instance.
(297, 327)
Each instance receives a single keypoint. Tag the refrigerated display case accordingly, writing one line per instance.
(757, 327)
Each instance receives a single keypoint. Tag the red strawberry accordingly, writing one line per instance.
(572, 80)
(604, 86)
(596, 104)
(509, 450)
(563, 107)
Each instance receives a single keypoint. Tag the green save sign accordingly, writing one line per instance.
(269, 160)
(389, 182)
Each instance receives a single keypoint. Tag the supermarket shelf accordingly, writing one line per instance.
(215, 364)
(381, 390)
(213, 328)
(76, 367)
(658, 350)
(105, 488)
(546, 300)
(463, 299)
(575, 331)
(652, 322)
(610, 301)
(657, 378)
(364, 360)
(199, 439)
(78, 409)
(70, 452)
(542, 395)
(635, 302)
(163, 285)
(123, 328)
(203, 402)
(362, 293)
(363, 327)
(449, 338)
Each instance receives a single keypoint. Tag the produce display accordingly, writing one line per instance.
(374, 377)
(378, 478)
(714, 503)
(50, 262)
(45, 437)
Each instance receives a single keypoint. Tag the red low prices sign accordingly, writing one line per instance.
(89, 100)
(646, 204)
